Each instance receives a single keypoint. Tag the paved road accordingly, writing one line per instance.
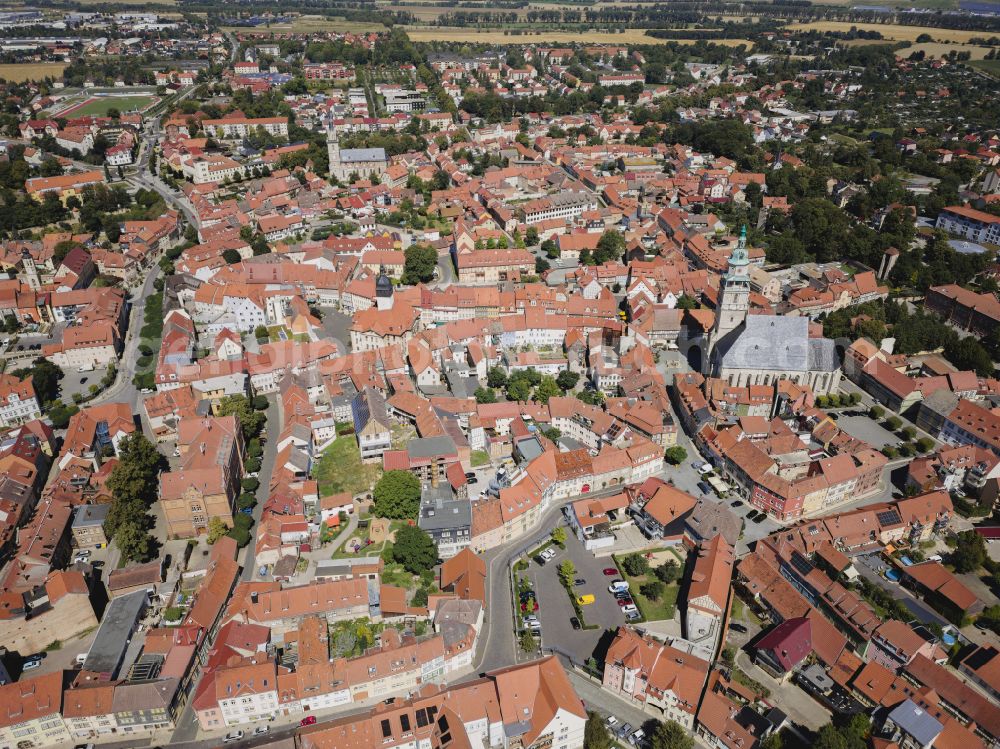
(264, 476)
(122, 390)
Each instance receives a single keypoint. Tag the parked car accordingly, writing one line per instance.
(540, 560)
(549, 554)
(624, 730)
(617, 586)
(31, 665)
(579, 581)
(586, 599)
(261, 730)
(610, 571)
(737, 503)
(473, 480)
(469, 474)
(625, 602)
(631, 616)
(630, 609)
(233, 736)
(704, 488)
(737, 627)
(637, 736)
(309, 720)
(611, 722)
(574, 622)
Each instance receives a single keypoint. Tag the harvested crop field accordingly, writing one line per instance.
(494, 36)
(31, 71)
(937, 50)
(891, 31)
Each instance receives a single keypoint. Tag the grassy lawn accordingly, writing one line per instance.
(100, 106)
(651, 610)
(340, 469)
(480, 458)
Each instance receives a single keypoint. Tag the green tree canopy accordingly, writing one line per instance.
(414, 549)
(421, 259)
(397, 495)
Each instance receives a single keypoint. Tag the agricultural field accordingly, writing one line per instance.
(306, 24)
(493, 36)
(31, 71)
(938, 50)
(891, 31)
(990, 67)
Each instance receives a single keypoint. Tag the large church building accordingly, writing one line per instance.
(747, 349)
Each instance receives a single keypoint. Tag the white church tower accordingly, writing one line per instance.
(734, 298)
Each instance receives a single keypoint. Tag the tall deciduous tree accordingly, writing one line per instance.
(397, 495)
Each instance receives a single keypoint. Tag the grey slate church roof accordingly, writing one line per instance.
(775, 342)
(355, 155)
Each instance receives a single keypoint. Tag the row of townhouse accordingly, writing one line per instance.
(242, 690)
(60, 707)
(532, 704)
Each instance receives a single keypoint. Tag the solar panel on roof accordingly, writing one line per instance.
(888, 517)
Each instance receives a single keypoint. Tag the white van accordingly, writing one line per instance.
(618, 586)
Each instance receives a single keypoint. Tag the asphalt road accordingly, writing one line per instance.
(264, 476)
(122, 390)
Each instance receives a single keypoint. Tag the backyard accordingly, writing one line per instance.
(340, 469)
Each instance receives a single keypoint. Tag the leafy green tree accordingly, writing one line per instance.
(216, 529)
(547, 388)
(635, 565)
(260, 333)
(45, 378)
(414, 549)
(675, 455)
(567, 572)
(668, 572)
(970, 553)
(485, 395)
(397, 495)
(611, 246)
(240, 531)
(421, 259)
(893, 423)
(595, 733)
(250, 421)
(653, 590)
(496, 377)
(133, 541)
(876, 412)
(567, 379)
(559, 535)
(134, 476)
(231, 256)
(670, 735)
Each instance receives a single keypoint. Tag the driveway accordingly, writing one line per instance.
(555, 609)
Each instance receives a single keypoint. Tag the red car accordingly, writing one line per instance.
(308, 720)
(623, 602)
(610, 571)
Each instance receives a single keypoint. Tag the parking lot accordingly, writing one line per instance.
(554, 607)
(867, 429)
